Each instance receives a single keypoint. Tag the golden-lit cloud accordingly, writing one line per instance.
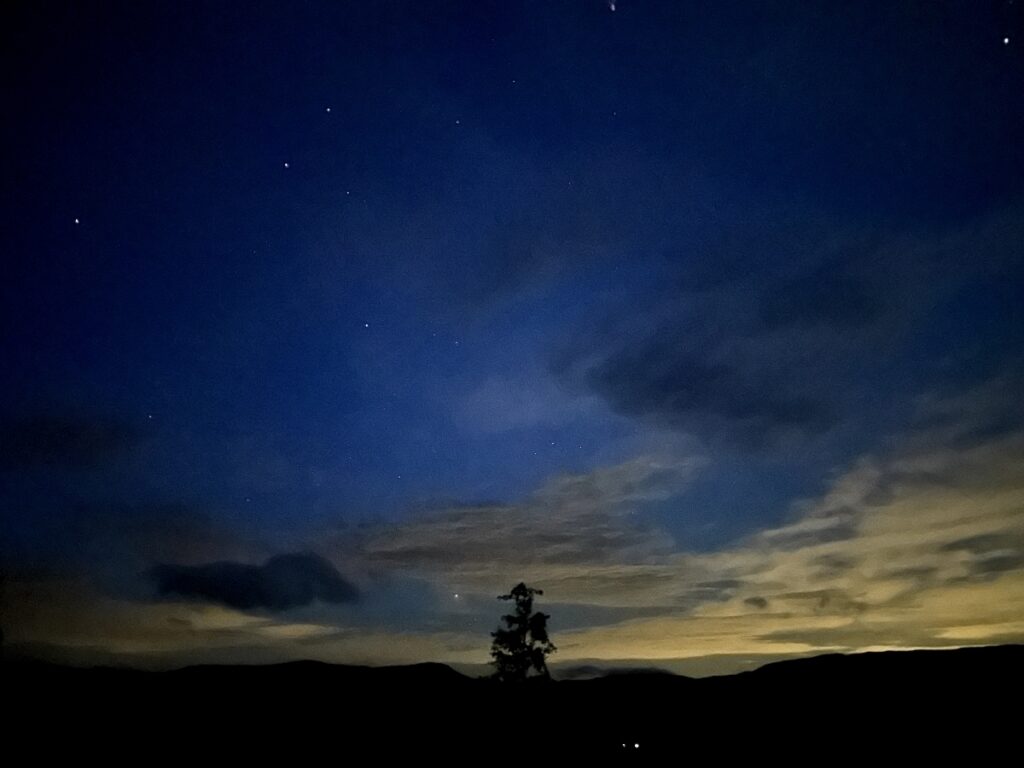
(918, 546)
(922, 546)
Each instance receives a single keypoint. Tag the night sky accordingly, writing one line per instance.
(325, 323)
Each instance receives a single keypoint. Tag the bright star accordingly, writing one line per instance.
(77, 221)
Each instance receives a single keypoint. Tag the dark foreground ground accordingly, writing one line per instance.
(879, 709)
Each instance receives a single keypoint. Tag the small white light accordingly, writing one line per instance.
(77, 221)
(1006, 41)
(286, 165)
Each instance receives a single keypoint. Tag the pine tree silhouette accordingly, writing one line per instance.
(520, 649)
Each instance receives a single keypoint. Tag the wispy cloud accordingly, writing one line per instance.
(575, 524)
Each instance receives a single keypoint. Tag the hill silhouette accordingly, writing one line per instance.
(916, 703)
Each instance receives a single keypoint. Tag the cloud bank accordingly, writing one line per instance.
(918, 545)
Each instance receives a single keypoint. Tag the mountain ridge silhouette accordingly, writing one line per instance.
(927, 702)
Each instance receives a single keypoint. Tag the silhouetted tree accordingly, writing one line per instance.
(520, 648)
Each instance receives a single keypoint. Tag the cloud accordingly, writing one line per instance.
(822, 299)
(575, 533)
(919, 545)
(283, 582)
(69, 621)
(776, 330)
(659, 379)
(936, 560)
(505, 403)
(63, 440)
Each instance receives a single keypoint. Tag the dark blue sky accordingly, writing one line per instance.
(279, 270)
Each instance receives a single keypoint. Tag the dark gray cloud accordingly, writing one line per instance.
(834, 601)
(721, 585)
(756, 602)
(658, 379)
(920, 573)
(993, 410)
(62, 439)
(981, 544)
(831, 566)
(822, 299)
(990, 553)
(778, 333)
(284, 581)
(995, 564)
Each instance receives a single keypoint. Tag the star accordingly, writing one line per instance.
(458, 122)
(77, 221)
(366, 325)
(149, 416)
(1006, 41)
(328, 109)
(286, 165)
